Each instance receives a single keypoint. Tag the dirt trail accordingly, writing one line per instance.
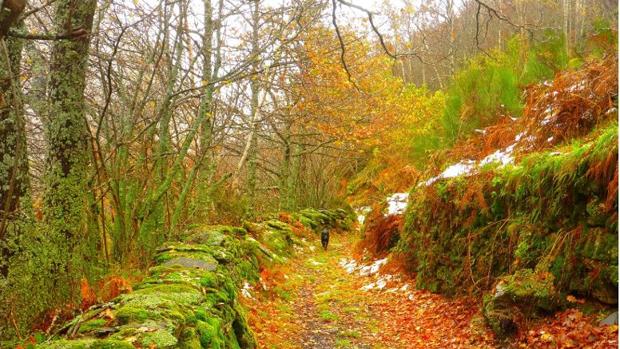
(325, 300)
(313, 302)
(325, 310)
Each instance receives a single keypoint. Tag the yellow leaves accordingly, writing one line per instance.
(546, 337)
(573, 299)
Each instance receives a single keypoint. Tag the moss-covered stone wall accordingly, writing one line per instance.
(189, 298)
(552, 217)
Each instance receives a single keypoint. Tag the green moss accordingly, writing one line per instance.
(92, 325)
(190, 339)
(185, 303)
(526, 283)
(550, 212)
(210, 333)
(88, 344)
(159, 339)
(525, 293)
(127, 314)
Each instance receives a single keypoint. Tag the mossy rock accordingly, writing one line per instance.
(158, 339)
(88, 344)
(189, 298)
(522, 295)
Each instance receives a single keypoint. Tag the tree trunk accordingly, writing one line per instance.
(254, 107)
(67, 173)
(14, 181)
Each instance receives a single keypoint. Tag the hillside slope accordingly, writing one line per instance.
(527, 217)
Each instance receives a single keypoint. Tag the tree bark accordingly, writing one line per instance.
(67, 172)
(14, 180)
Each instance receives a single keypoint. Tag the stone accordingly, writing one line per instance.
(522, 295)
(611, 319)
(191, 263)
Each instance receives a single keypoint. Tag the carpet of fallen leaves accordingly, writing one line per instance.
(312, 302)
(569, 329)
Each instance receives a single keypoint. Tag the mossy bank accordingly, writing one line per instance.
(527, 234)
(189, 298)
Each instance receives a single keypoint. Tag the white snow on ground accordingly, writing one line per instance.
(361, 218)
(547, 119)
(314, 262)
(351, 266)
(245, 291)
(467, 167)
(362, 212)
(580, 86)
(378, 281)
(519, 136)
(459, 169)
(397, 203)
(373, 268)
(379, 284)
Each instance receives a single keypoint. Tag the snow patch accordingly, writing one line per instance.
(502, 156)
(362, 212)
(349, 265)
(315, 263)
(368, 270)
(580, 86)
(377, 285)
(245, 291)
(397, 203)
(459, 169)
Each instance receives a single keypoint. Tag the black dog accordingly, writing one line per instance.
(325, 238)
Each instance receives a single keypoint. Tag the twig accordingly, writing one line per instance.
(342, 46)
(372, 25)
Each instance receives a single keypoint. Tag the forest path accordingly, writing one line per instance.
(313, 302)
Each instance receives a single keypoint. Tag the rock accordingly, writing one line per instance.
(191, 263)
(522, 295)
(611, 319)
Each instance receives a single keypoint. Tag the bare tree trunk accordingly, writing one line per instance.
(254, 109)
(205, 113)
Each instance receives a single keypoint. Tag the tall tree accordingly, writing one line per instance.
(68, 173)
(13, 156)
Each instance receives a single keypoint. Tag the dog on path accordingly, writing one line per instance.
(325, 238)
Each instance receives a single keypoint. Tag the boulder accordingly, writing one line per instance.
(522, 295)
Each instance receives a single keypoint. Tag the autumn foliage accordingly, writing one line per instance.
(381, 232)
(557, 111)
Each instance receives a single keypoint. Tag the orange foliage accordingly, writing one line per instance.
(87, 294)
(113, 286)
(570, 106)
(381, 231)
(284, 217)
(569, 329)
